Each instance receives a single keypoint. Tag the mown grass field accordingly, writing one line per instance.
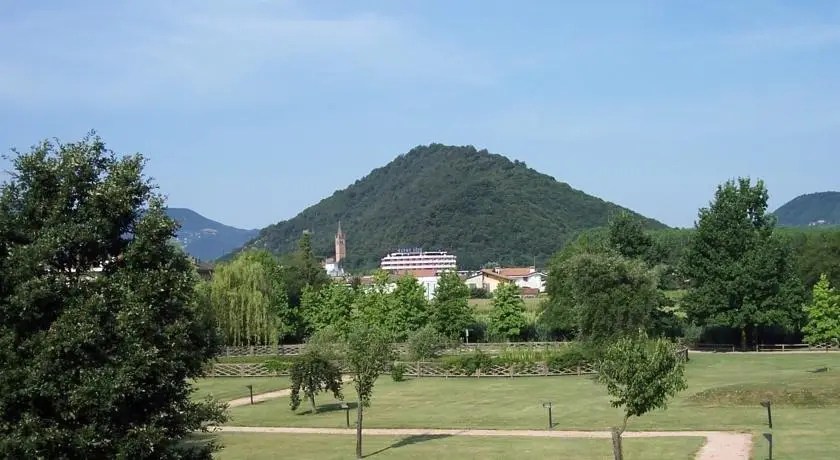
(269, 446)
(228, 388)
(724, 394)
(532, 304)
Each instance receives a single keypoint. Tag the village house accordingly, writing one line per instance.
(527, 278)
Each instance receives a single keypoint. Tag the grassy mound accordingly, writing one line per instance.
(816, 389)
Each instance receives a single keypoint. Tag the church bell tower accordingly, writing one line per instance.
(340, 245)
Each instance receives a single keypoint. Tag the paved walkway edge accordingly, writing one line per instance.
(719, 445)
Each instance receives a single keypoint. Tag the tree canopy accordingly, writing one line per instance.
(741, 275)
(100, 328)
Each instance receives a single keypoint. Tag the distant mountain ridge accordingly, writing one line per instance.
(480, 206)
(206, 239)
(821, 208)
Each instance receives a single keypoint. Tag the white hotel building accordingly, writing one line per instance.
(417, 259)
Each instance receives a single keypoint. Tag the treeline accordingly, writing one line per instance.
(734, 278)
(258, 299)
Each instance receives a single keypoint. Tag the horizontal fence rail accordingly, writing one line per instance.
(291, 350)
(428, 369)
(417, 369)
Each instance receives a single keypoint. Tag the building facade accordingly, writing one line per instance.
(417, 259)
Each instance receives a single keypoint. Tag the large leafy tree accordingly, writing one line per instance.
(823, 314)
(410, 312)
(507, 314)
(100, 330)
(450, 311)
(627, 236)
(740, 274)
(249, 300)
(332, 305)
(301, 269)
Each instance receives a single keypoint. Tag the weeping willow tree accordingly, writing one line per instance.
(249, 300)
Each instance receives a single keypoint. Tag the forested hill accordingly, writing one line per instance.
(810, 209)
(480, 206)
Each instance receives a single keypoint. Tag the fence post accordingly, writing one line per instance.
(578, 369)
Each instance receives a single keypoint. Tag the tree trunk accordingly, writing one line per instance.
(312, 401)
(359, 430)
(616, 442)
(743, 338)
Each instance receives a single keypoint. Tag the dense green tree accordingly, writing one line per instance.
(426, 343)
(376, 305)
(640, 375)
(823, 315)
(368, 353)
(96, 364)
(302, 269)
(611, 295)
(332, 305)
(411, 309)
(628, 236)
(507, 313)
(741, 276)
(249, 300)
(450, 311)
(311, 373)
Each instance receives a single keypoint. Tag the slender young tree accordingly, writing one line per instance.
(507, 314)
(823, 315)
(311, 373)
(368, 353)
(100, 327)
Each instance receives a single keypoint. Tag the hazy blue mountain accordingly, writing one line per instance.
(206, 239)
(822, 208)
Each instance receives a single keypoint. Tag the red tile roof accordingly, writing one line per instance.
(517, 272)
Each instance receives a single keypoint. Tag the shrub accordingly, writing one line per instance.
(470, 362)
(398, 372)
(426, 343)
(691, 335)
(575, 354)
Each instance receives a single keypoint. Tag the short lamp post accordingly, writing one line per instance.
(767, 405)
(769, 438)
(251, 393)
(346, 413)
(547, 405)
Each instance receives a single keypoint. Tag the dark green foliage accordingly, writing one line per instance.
(469, 362)
(810, 208)
(640, 374)
(477, 205)
(398, 372)
(426, 343)
(331, 305)
(507, 314)
(96, 366)
(312, 373)
(741, 275)
(301, 269)
(576, 354)
(450, 312)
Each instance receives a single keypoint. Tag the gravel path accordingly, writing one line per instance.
(719, 445)
(269, 395)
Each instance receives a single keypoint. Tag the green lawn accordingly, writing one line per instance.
(724, 394)
(270, 446)
(227, 388)
(532, 304)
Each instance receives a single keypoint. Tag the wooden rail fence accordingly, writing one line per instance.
(292, 350)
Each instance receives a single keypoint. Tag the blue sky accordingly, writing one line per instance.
(250, 111)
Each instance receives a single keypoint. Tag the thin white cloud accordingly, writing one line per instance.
(784, 39)
(122, 55)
